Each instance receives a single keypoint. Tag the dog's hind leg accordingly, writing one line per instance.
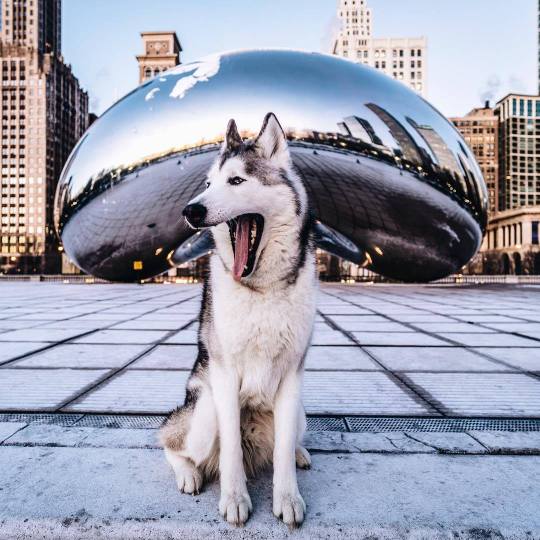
(303, 459)
(189, 478)
(189, 437)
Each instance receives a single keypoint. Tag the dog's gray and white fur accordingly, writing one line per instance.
(243, 406)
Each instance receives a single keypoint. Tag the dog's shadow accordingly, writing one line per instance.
(202, 508)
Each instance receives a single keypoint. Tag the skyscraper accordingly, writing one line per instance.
(519, 157)
(161, 52)
(404, 59)
(480, 129)
(511, 134)
(44, 113)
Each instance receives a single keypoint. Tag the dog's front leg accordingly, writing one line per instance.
(234, 503)
(288, 503)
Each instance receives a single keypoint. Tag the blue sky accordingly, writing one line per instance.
(477, 48)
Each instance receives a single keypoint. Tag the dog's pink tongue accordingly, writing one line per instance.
(241, 250)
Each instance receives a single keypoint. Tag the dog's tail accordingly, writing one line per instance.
(257, 429)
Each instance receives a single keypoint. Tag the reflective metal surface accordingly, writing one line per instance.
(391, 182)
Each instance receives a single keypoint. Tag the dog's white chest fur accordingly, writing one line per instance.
(261, 334)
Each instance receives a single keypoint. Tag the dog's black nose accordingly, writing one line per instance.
(195, 214)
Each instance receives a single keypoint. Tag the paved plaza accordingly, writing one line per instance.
(433, 351)
(423, 404)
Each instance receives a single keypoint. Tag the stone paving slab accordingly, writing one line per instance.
(83, 356)
(48, 335)
(52, 435)
(185, 337)
(506, 443)
(168, 357)
(146, 324)
(526, 359)
(459, 339)
(368, 326)
(487, 318)
(452, 327)
(8, 351)
(136, 392)
(401, 339)
(491, 340)
(357, 393)
(473, 394)
(339, 358)
(12, 324)
(330, 337)
(130, 493)
(450, 443)
(123, 336)
(438, 359)
(520, 328)
(7, 429)
(39, 389)
(73, 324)
(342, 320)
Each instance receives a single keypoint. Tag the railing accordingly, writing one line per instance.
(85, 279)
(457, 279)
(58, 278)
(489, 279)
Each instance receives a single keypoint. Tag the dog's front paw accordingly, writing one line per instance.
(235, 507)
(290, 507)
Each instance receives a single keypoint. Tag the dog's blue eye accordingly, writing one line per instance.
(235, 180)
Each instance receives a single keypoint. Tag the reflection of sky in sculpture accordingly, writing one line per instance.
(298, 94)
(322, 102)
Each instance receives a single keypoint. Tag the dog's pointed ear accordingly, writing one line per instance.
(271, 143)
(232, 141)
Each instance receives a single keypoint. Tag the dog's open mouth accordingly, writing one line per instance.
(246, 232)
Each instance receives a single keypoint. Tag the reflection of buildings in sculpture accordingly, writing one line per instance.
(360, 128)
(403, 59)
(444, 156)
(408, 148)
(44, 113)
(333, 268)
(457, 175)
(161, 52)
(445, 159)
(479, 128)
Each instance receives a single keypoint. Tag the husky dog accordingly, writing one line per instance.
(243, 406)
